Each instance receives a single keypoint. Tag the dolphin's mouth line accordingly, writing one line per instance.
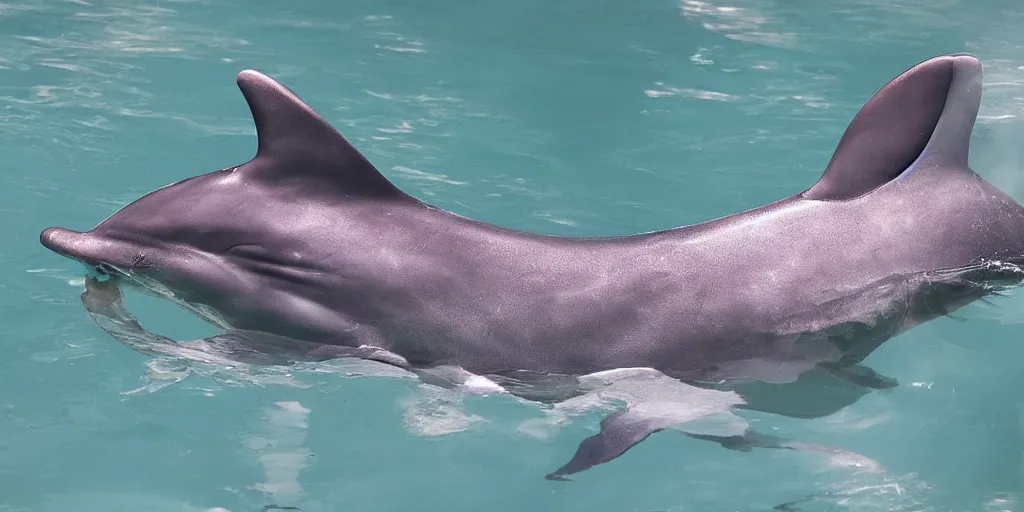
(156, 289)
(107, 271)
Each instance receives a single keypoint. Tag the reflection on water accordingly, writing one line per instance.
(281, 450)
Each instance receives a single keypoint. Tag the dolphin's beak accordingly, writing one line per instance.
(61, 241)
(87, 248)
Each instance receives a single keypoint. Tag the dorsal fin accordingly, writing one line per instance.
(927, 106)
(295, 145)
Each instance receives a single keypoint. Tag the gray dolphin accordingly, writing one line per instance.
(308, 241)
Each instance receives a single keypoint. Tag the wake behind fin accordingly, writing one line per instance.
(924, 116)
(860, 375)
(745, 442)
(298, 147)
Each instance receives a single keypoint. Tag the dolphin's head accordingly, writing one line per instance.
(172, 242)
(220, 238)
(148, 236)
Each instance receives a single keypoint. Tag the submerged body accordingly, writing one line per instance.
(308, 241)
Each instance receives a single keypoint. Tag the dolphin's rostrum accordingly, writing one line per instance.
(308, 241)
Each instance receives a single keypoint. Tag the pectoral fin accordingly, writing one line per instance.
(619, 432)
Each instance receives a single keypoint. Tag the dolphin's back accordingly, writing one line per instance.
(897, 199)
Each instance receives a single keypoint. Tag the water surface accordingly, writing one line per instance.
(575, 117)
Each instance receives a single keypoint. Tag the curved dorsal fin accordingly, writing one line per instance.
(296, 145)
(893, 129)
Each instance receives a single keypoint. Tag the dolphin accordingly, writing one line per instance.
(309, 241)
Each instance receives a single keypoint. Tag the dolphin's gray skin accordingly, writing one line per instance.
(309, 241)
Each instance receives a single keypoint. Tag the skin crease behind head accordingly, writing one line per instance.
(309, 240)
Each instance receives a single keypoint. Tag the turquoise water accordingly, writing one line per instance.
(576, 117)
